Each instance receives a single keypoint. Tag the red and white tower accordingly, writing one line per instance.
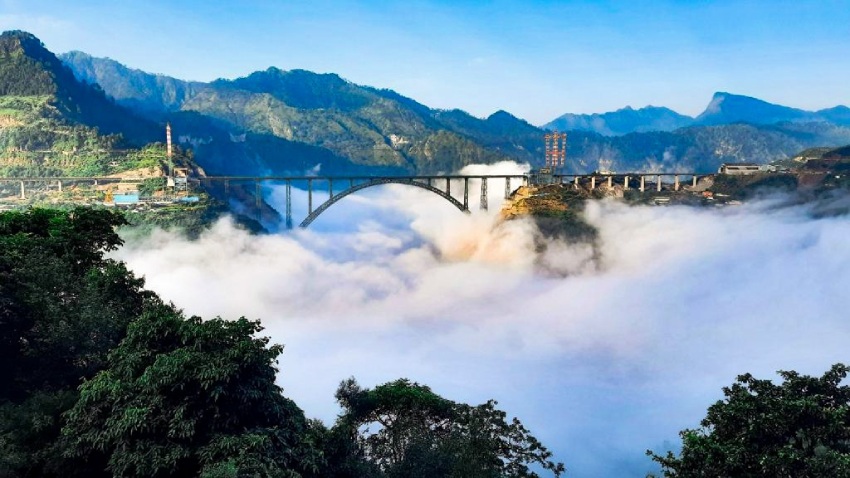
(556, 149)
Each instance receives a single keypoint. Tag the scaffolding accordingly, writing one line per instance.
(556, 149)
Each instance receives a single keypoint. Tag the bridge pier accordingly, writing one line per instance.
(309, 196)
(330, 189)
(507, 188)
(483, 204)
(289, 204)
(575, 182)
(610, 182)
(592, 183)
(676, 183)
(466, 193)
(695, 181)
(658, 182)
(23, 191)
(258, 194)
(642, 183)
(227, 187)
(59, 183)
(626, 183)
(448, 186)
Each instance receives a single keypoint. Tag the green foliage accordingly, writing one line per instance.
(63, 307)
(22, 74)
(403, 429)
(799, 428)
(186, 398)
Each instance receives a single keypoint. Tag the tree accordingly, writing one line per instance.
(404, 429)
(799, 428)
(189, 398)
(63, 307)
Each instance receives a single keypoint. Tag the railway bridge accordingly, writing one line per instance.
(325, 191)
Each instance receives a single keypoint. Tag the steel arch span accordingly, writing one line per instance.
(377, 182)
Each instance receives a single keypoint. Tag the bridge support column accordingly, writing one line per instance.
(59, 183)
(23, 191)
(592, 183)
(259, 199)
(428, 181)
(227, 187)
(483, 204)
(575, 182)
(289, 204)
(330, 189)
(676, 183)
(507, 188)
(658, 182)
(466, 194)
(309, 196)
(642, 183)
(610, 182)
(448, 186)
(695, 180)
(626, 183)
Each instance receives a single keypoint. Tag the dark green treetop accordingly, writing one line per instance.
(799, 428)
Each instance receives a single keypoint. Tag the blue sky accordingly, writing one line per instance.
(535, 59)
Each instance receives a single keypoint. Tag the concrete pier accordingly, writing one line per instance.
(676, 183)
(309, 196)
(610, 182)
(626, 183)
(592, 183)
(658, 182)
(642, 183)
(23, 191)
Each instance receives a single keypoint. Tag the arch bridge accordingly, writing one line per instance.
(324, 192)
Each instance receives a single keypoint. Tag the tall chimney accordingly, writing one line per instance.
(168, 139)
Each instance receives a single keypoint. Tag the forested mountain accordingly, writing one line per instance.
(294, 120)
(27, 69)
(51, 124)
(277, 121)
(288, 121)
(623, 121)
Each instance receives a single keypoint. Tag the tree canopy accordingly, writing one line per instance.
(404, 429)
(798, 428)
(189, 398)
(102, 378)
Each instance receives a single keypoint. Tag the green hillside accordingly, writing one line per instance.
(53, 125)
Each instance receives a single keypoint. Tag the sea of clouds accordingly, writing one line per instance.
(601, 360)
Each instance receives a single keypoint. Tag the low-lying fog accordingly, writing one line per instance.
(600, 365)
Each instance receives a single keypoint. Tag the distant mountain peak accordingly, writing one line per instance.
(726, 108)
(623, 121)
(500, 115)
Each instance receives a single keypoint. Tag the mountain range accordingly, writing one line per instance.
(724, 108)
(295, 122)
